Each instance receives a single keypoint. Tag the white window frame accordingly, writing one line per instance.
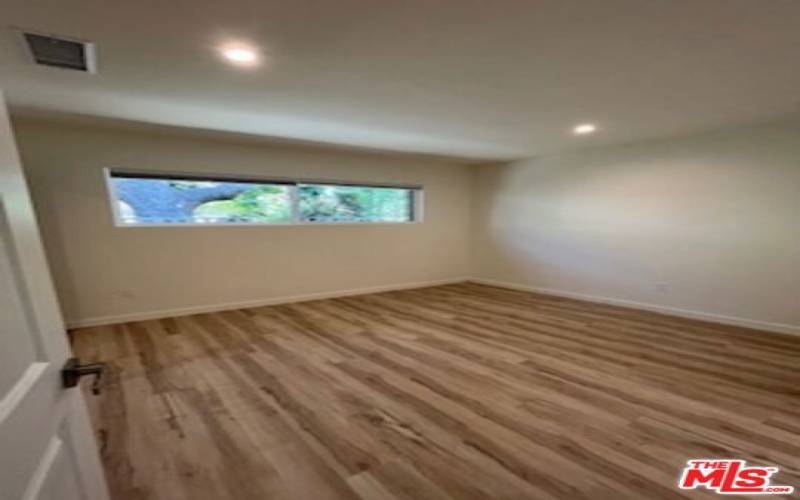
(417, 198)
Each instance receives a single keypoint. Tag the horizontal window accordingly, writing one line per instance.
(160, 199)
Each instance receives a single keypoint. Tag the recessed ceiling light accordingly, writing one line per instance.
(240, 55)
(584, 129)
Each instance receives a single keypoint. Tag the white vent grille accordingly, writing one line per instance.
(60, 52)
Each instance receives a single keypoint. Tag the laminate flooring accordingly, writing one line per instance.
(461, 391)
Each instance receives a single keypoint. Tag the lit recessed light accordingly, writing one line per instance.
(584, 129)
(242, 56)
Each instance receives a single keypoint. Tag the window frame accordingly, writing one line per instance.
(416, 191)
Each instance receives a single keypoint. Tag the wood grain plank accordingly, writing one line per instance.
(461, 391)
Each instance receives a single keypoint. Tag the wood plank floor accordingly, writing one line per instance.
(454, 392)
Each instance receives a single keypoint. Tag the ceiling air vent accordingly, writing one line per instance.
(61, 52)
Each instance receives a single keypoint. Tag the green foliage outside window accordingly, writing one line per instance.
(143, 200)
(354, 203)
(260, 204)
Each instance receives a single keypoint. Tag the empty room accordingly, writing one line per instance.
(384, 250)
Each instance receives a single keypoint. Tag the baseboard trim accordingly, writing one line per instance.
(671, 311)
(186, 311)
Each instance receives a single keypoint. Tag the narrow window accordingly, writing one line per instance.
(164, 199)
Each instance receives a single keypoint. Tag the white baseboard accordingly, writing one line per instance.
(672, 311)
(185, 311)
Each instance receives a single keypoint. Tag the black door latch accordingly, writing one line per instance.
(73, 371)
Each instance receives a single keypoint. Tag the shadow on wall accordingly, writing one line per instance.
(706, 223)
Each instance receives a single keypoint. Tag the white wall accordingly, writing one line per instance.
(709, 224)
(104, 273)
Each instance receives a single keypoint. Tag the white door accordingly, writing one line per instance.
(47, 449)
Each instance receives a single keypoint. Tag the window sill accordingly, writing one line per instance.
(261, 224)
